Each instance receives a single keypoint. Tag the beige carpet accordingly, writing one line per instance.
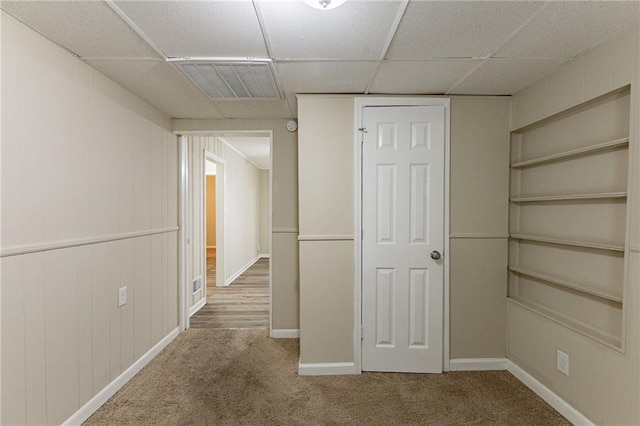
(242, 377)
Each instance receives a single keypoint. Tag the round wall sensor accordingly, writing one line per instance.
(292, 126)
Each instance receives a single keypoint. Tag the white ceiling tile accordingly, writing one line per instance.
(567, 28)
(161, 85)
(258, 109)
(86, 28)
(325, 77)
(420, 77)
(452, 29)
(506, 76)
(355, 30)
(199, 28)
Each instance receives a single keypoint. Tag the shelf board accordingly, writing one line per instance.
(573, 153)
(587, 330)
(569, 197)
(598, 246)
(583, 288)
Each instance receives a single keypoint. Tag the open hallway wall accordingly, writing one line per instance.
(284, 220)
(242, 204)
(89, 205)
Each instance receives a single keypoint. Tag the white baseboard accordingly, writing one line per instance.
(103, 396)
(282, 333)
(327, 369)
(562, 406)
(195, 308)
(241, 270)
(477, 364)
(264, 256)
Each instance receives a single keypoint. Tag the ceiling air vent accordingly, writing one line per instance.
(230, 78)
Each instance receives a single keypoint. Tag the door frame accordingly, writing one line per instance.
(221, 219)
(359, 104)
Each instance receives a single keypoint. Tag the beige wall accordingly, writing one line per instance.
(85, 164)
(604, 383)
(478, 220)
(241, 203)
(479, 189)
(325, 179)
(211, 211)
(284, 220)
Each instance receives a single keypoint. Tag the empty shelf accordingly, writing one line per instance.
(573, 153)
(569, 197)
(587, 330)
(597, 246)
(583, 288)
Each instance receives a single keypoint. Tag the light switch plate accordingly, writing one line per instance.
(562, 364)
(122, 296)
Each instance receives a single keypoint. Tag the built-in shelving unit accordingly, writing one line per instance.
(569, 178)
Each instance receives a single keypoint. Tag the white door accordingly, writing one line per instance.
(402, 237)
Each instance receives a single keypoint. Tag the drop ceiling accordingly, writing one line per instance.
(362, 47)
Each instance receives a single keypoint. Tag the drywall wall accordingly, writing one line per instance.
(478, 224)
(326, 228)
(604, 383)
(479, 189)
(241, 204)
(89, 190)
(211, 211)
(284, 220)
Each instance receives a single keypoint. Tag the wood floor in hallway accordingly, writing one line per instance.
(242, 304)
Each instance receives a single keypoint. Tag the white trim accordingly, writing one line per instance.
(195, 308)
(103, 396)
(327, 369)
(233, 148)
(284, 230)
(551, 398)
(359, 104)
(183, 268)
(488, 235)
(211, 247)
(281, 333)
(57, 245)
(477, 364)
(264, 256)
(241, 270)
(325, 237)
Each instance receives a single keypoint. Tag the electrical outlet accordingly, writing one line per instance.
(122, 296)
(562, 363)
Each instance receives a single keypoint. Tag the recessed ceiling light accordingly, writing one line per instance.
(324, 4)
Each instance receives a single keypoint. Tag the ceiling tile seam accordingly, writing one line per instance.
(267, 45)
(466, 76)
(151, 44)
(122, 58)
(372, 79)
(134, 27)
(66, 49)
(394, 29)
(518, 30)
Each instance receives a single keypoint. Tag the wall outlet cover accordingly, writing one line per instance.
(562, 362)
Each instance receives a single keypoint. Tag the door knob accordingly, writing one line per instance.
(435, 255)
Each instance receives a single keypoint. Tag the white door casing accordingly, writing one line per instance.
(403, 163)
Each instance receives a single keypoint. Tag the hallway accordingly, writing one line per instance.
(242, 304)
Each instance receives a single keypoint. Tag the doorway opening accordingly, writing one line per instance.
(229, 229)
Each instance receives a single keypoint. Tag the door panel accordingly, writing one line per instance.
(402, 222)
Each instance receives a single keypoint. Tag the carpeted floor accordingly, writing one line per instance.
(242, 377)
